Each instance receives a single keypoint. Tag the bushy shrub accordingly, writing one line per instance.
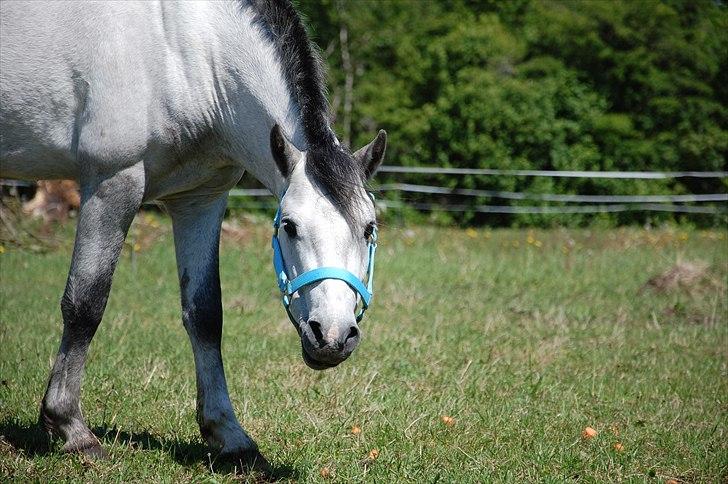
(563, 85)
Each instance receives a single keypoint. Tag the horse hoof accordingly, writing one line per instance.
(246, 461)
(95, 453)
(92, 451)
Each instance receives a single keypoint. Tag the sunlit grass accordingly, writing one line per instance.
(485, 356)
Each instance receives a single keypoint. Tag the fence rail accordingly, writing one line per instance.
(566, 209)
(554, 173)
(595, 203)
(549, 197)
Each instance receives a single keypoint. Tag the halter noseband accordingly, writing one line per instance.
(290, 287)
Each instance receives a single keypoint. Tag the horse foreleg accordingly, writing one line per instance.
(197, 223)
(107, 209)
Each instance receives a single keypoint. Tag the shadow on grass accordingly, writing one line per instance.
(33, 441)
(29, 438)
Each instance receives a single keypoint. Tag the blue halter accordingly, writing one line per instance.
(290, 287)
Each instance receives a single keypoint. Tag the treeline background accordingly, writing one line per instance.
(526, 84)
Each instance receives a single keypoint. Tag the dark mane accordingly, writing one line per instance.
(336, 172)
(330, 165)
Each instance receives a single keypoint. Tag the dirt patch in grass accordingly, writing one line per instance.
(689, 285)
(232, 231)
(685, 275)
(20, 231)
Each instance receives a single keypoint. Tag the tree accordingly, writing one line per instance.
(559, 84)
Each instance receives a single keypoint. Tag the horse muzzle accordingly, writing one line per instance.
(325, 347)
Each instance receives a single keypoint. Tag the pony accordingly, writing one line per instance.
(152, 100)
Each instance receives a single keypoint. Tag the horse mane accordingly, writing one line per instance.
(329, 164)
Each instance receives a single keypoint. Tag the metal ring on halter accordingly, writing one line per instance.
(289, 287)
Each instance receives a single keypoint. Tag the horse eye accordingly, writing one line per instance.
(290, 229)
(369, 230)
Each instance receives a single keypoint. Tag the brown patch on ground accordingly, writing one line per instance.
(232, 231)
(683, 275)
(54, 200)
(27, 233)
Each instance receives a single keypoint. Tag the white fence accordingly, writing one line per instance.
(575, 203)
(593, 203)
(549, 197)
(555, 173)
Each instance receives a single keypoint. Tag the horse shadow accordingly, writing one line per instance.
(33, 441)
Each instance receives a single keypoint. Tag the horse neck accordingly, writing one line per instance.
(246, 94)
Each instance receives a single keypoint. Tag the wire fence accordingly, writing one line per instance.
(565, 209)
(549, 197)
(434, 170)
(575, 203)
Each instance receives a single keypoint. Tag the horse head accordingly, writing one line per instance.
(324, 241)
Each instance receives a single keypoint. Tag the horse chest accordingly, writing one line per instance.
(198, 175)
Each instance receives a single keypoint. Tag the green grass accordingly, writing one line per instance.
(524, 338)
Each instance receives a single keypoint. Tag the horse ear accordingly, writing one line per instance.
(284, 153)
(371, 155)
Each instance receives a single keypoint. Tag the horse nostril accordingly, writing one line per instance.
(316, 330)
(353, 333)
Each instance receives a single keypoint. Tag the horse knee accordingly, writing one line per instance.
(84, 301)
(202, 307)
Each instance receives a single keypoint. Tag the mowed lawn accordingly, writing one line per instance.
(522, 338)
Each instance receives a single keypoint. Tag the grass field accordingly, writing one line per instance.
(522, 338)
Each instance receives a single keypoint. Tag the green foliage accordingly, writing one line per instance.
(559, 84)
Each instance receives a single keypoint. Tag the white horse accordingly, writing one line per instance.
(149, 100)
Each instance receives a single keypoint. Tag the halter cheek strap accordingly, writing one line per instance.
(289, 287)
